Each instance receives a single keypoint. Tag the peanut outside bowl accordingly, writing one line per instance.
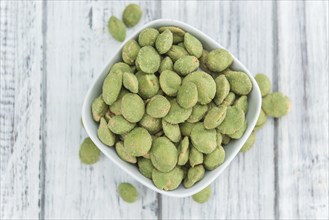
(231, 150)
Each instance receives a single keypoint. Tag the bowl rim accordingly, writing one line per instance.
(197, 187)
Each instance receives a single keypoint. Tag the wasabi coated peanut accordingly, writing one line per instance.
(233, 121)
(242, 103)
(98, 108)
(202, 139)
(229, 100)
(214, 159)
(219, 138)
(166, 64)
(171, 131)
(170, 82)
(239, 82)
(152, 125)
(193, 45)
(130, 82)
(147, 37)
(138, 142)
(148, 60)
(186, 128)
(249, 142)
(198, 112)
(194, 175)
(218, 60)
(168, 180)
(205, 84)
(215, 117)
(123, 67)
(177, 52)
(130, 52)
(127, 192)
(183, 152)
(119, 125)
(202, 196)
(132, 15)
(187, 95)
(178, 33)
(238, 134)
(203, 59)
(105, 134)
(112, 86)
(132, 107)
(89, 153)
(225, 139)
(148, 85)
(186, 65)
(146, 167)
(163, 154)
(115, 108)
(222, 89)
(164, 42)
(158, 106)
(195, 157)
(117, 28)
(177, 114)
(276, 105)
(123, 154)
(264, 84)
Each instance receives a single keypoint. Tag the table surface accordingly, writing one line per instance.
(51, 52)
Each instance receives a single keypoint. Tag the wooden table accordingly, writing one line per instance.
(52, 50)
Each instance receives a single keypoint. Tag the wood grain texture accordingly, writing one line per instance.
(52, 50)
(20, 109)
(239, 193)
(79, 46)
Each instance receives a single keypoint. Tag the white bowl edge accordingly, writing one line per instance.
(231, 150)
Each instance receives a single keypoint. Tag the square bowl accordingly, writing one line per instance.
(231, 150)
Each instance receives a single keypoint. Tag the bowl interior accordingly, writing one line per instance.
(231, 150)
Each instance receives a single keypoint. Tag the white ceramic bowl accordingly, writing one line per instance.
(231, 150)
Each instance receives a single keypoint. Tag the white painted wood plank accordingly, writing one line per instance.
(246, 189)
(20, 109)
(79, 46)
(303, 135)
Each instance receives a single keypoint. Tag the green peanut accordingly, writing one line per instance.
(218, 60)
(214, 159)
(158, 106)
(98, 108)
(117, 28)
(168, 180)
(146, 167)
(138, 142)
(202, 196)
(148, 37)
(193, 45)
(89, 153)
(177, 114)
(186, 65)
(164, 42)
(187, 95)
(171, 131)
(148, 60)
(264, 84)
(128, 192)
(276, 105)
(163, 154)
(105, 134)
(123, 154)
(132, 15)
(202, 139)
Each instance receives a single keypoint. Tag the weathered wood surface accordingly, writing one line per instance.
(51, 52)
